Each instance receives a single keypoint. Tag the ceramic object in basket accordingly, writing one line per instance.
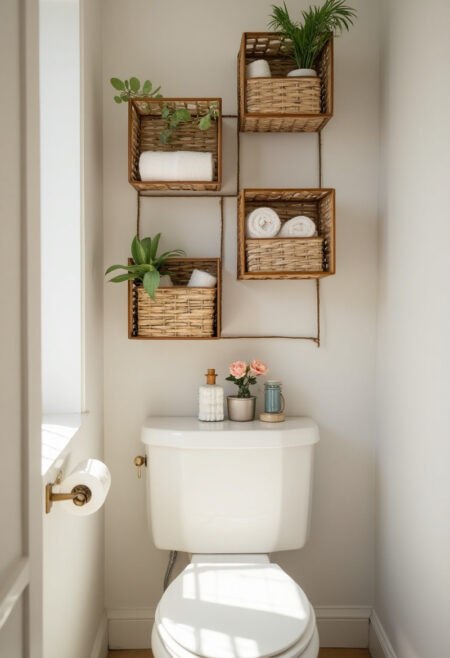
(302, 73)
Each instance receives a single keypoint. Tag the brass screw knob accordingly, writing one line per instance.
(139, 462)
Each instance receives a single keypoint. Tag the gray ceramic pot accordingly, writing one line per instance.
(241, 409)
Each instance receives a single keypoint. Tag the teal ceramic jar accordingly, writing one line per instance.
(273, 397)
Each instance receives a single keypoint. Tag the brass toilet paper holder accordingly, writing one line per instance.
(80, 495)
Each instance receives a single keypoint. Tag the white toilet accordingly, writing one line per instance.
(230, 493)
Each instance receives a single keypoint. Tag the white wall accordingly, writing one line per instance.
(167, 41)
(413, 448)
(74, 547)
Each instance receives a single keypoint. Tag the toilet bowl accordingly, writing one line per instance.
(234, 606)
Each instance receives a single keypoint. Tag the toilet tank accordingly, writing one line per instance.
(228, 487)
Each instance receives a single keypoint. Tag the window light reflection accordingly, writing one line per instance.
(245, 586)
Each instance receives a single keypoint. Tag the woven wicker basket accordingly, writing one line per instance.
(288, 258)
(283, 95)
(281, 104)
(145, 125)
(178, 312)
(284, 255)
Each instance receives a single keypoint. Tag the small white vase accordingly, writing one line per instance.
(302, 73)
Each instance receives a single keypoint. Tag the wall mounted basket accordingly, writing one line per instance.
(288, 258)
(145, 124)
(281, 104)
(178, 312)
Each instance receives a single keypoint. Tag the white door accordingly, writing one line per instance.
(20, 404)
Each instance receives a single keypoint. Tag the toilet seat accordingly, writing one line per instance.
(235, 608)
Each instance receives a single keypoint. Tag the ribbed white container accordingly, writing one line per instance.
(210, 403)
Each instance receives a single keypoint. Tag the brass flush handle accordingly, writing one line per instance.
(139, 462)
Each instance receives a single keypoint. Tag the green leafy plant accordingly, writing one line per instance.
(132, 89)
(147, 264)
(309, 35)
(175, 117)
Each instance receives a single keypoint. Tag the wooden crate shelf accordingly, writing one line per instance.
(178, 312)
(275, 104)
(313, 258)
(145, 124)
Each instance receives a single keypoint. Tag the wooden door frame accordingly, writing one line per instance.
(32, 479)
(23, 581)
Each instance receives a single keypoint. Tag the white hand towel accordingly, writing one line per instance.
(298, 227)
(176, 166)
(262, 223)
(201, 279)
(258, 69)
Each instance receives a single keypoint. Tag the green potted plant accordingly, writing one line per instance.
(146, 266)
(310, 34)
(168, 297)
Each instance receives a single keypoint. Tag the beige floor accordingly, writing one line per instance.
(324, 653)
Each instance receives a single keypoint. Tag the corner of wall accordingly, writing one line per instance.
(379, 644)
(100, 646)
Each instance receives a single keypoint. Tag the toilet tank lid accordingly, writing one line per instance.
(188, 432)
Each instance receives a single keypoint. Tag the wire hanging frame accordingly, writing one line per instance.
(314, 338)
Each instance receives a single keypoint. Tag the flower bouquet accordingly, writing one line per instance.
(241, 407)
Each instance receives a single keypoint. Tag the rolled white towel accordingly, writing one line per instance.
(262, 223)
(176, 166)
(165, 281)
(298, 227)
(201, 279)
(259, 69)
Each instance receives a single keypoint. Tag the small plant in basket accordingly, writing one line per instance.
(174, 117)
(309, 35)
(132, 89)
(244, 375)
(147, 264)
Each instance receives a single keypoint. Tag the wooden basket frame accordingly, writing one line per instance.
(134, 142)
(218, 306)
(268, 197)
(271, 45)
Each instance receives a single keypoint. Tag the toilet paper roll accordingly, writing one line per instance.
(258, 69)
(201, 279)
(93, 474)
(176, 166)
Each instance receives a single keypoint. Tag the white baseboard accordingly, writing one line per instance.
(379, 644)
(339, 626)
(100, 646)
(130, 628)
(343, 626)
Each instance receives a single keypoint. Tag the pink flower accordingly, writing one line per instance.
(258, 368)
(238, 369)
